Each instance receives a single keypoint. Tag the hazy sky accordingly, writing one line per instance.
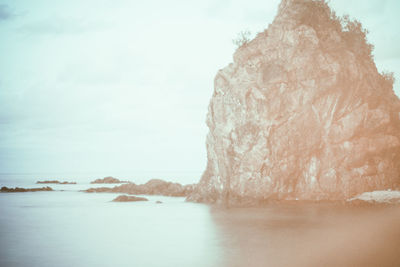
(123, 86)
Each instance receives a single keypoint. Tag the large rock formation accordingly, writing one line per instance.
(302, 113)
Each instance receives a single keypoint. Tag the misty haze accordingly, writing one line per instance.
(199, 133)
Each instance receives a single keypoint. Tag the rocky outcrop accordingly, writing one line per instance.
(54, 182)
(383, 197)
(5, 189)
(152, 187)
(124, 198)
(108, 180)
(302, 113)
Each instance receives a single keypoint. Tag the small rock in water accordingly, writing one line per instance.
(388, 197)
(124, 198)
(152, 187)
(5, 189)
(158, 202)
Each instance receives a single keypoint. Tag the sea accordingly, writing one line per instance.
(67, 227)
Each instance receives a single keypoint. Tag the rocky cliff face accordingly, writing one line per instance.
(302, 113)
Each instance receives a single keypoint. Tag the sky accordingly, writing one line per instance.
(118, 86)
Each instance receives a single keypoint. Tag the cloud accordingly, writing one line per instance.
(6, 13)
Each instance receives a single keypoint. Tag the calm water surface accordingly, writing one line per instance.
(71, 228)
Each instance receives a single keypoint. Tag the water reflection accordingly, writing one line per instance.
(71, 228)
(309, 235)
(79, 229)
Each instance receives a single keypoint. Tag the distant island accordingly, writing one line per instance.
(54, 182)
(108, 180)
(5, 189)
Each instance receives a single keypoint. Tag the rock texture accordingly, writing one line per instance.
(152, 187)
(302, 113)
